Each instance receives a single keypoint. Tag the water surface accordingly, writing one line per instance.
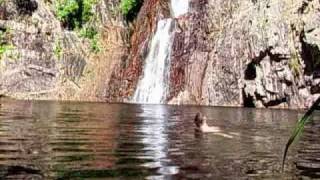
(56, 140)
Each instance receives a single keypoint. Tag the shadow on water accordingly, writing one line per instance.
(52, 140)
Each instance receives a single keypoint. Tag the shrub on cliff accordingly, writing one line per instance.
(4, 45)
(91, 34)
(130, 8)
(74, 13)
(57, 49)
(4, 48)
(87, 12)
(78, 15)
(127, 5)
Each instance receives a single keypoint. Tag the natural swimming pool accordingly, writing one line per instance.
(60, 140)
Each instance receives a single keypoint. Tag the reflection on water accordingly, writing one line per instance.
(51, 140)
(155, 140)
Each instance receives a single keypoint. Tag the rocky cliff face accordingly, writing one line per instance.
(244, 53)
(266, 52)
(225, 52)
(42, 60)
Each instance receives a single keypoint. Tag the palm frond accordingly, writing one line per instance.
(299, 128)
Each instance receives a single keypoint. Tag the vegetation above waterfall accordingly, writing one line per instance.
(130, 8)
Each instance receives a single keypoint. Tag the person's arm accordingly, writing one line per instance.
(206, 128)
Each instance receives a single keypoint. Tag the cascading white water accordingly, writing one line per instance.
(152, 88)
(179, 7)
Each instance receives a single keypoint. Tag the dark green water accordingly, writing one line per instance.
(52, 140)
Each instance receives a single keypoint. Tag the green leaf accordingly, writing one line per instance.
(299, 129)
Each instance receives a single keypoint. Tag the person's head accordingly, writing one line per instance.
(199, 119)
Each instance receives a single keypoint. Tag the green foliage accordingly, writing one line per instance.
(74, 13)
(127, 5)
(88, 32)
(87, 13)
(130, 8)
(299, 128)
(94, 45)
(91, 34)
(67, 8)
(68, 12)
(57, 49)
(294, 64)
(4, 48)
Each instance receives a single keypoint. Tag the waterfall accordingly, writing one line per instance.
(179, 7)
(153, 87)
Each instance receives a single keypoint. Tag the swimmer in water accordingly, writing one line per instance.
(202, 126)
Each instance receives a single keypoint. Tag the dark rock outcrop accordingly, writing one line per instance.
(26, 7)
